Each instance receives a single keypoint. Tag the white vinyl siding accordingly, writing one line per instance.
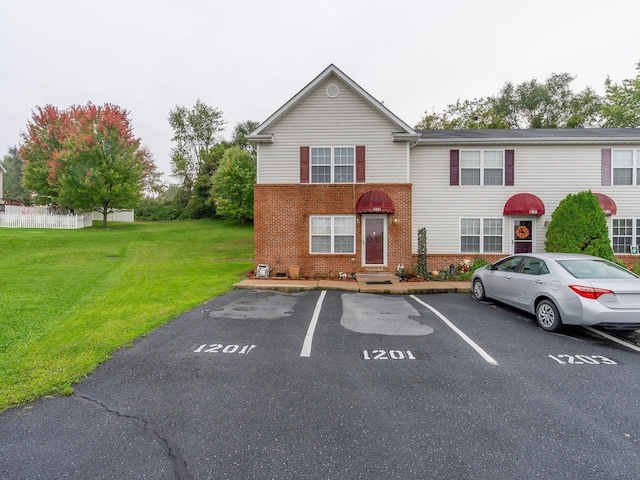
(548, 171)
(346, 120)
(332, 234)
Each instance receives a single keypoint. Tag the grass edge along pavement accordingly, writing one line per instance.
(70, 298)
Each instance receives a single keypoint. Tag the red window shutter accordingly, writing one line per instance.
(304, 164)
(360, 170)
(454, 167)
(605, 177)
(508, 167)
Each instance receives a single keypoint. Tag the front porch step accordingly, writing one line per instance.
(377, 278)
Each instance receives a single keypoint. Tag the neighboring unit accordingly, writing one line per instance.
(344, 185)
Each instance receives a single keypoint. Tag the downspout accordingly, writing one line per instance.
(409, 146)
(257, 162)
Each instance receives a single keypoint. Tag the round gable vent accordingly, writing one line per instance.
(333, 91)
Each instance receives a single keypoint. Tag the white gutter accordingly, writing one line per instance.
(529, 141)
(261, 138)
(257, 163)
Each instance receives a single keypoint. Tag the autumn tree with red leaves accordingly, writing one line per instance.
(85, 158)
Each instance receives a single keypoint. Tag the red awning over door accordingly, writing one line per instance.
(374, 201)
(607, 204)
(524, 204)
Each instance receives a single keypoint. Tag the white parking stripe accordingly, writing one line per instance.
(613, 339)
(462, 335)
(308, 339)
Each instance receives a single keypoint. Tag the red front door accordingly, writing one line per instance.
(374, 240)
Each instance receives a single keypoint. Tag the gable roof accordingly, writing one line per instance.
(259, 136)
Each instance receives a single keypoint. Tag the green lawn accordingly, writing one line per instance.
(69, 298)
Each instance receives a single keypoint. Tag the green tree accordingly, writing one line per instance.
(195, 131)
(39, 150)
(621, 106)
(578, 225)
(87, 157)
(551, 104)
(240, 133)
(531, 104)
(13, 178)
(201, 204)
(468, 114)
(233, 185)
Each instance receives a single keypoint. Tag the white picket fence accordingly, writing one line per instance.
(17, 220)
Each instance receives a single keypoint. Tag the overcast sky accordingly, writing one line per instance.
(248, 58)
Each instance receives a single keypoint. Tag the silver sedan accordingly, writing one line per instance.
(563, 289)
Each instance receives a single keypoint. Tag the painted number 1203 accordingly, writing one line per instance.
(582, 360)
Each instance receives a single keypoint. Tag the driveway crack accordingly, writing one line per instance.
(180, 469)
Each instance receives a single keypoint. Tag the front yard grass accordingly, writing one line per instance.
(70, 298)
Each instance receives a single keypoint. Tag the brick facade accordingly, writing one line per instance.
(281, 226)
(444, 260)
(441, 261)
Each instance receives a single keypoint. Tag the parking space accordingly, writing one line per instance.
(384, 328)
(434, 327)
(263, 384)
(514, 340)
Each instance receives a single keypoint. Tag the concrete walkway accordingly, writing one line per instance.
(352, 285)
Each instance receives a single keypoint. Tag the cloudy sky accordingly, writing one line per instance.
(248, 57)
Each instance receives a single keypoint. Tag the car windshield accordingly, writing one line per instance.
(594, 269)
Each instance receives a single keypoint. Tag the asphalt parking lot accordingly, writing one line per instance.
(342, 385)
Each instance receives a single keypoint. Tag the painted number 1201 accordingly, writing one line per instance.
(220, 348)
(388, 355)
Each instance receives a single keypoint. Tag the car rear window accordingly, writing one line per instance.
(594, 269)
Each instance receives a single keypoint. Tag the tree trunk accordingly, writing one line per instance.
(104, 218)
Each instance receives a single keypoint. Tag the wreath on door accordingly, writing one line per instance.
(522, 232)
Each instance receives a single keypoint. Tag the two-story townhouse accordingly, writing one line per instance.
(344, 185)
(499, 188)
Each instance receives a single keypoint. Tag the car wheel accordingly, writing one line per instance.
(478, 290)
(547, 316)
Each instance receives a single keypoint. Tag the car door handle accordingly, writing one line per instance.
(539, 282)
(507, 277)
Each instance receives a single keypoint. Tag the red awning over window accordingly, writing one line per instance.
(524, 204)
(607, 204)
(374, 201)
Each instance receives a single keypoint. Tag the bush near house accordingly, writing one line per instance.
(578, 225)
(70, 298)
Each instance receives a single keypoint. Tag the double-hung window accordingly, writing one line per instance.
(332, 164)
(333, 234)
(625, 234)
(626, 167)
(481, 167)
(481, 235)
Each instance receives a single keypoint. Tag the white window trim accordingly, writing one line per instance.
(482, 219)
(332, 234)
(635, 238)
(333, 164)
(482, 167)
(635, 180)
